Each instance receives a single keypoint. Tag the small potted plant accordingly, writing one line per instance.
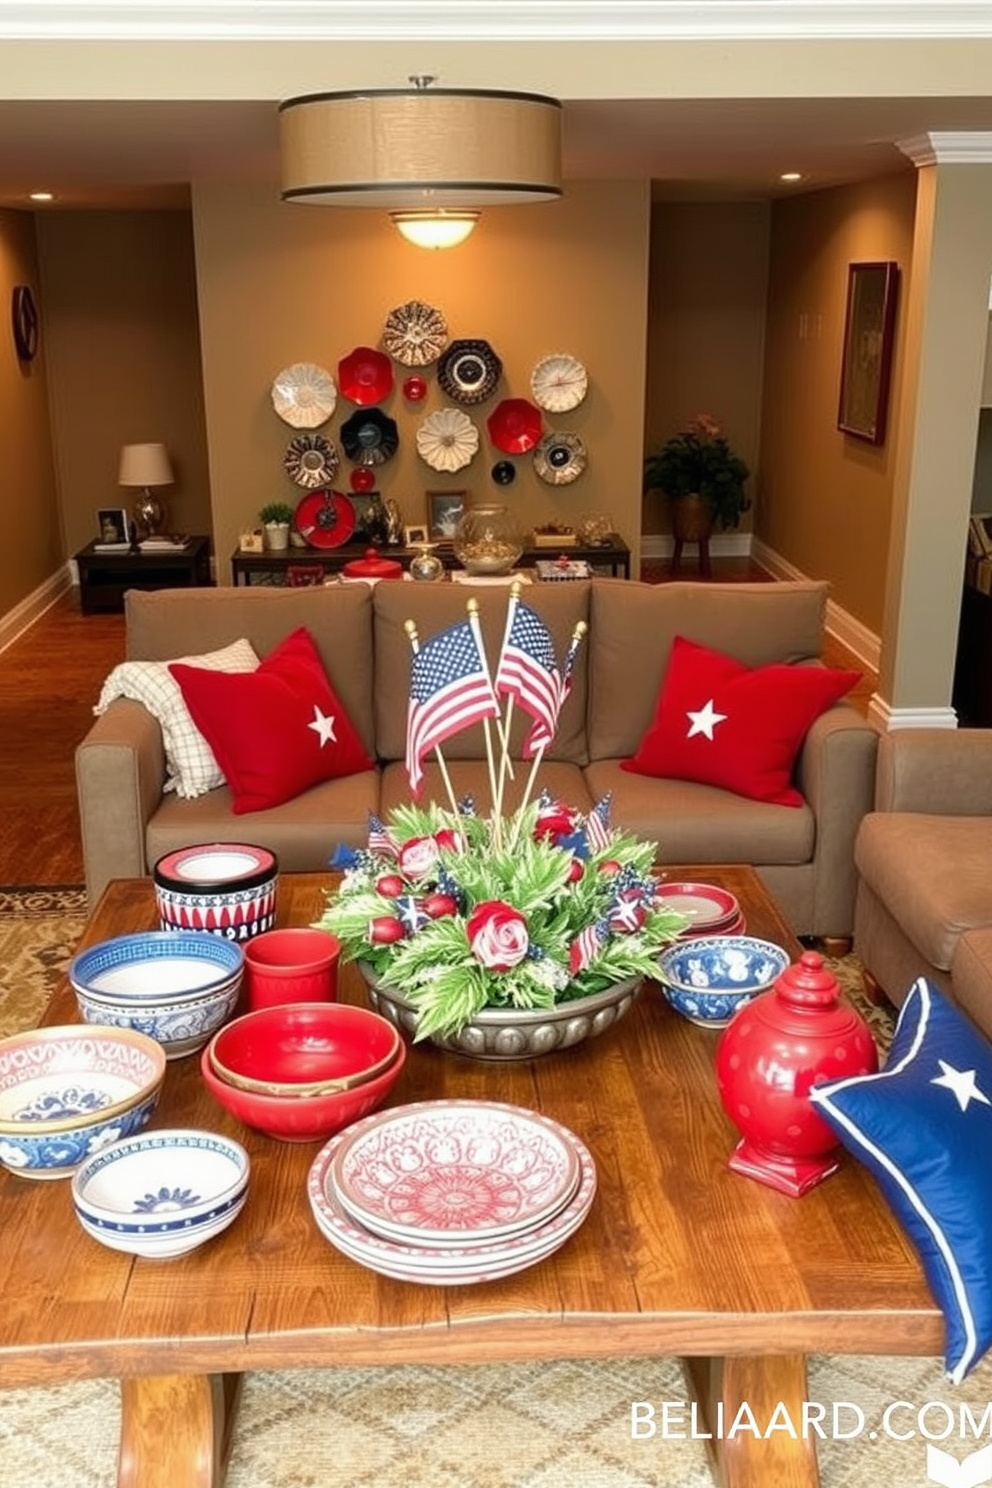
(702, 478)
(276, 517)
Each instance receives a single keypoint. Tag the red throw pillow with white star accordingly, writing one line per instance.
(275, 731)
(722, 723)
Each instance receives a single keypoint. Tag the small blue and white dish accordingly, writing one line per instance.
(157, 965)
(709, 978)
(162, 1194)
(67, 1092)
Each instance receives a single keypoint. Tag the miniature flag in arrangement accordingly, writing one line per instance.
(381, 839)
(528, 671)
(449, 689)
(598, 824)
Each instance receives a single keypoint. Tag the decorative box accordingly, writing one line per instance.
(555, 570)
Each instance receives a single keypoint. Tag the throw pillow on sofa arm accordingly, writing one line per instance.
(278, 730)
(721, 723)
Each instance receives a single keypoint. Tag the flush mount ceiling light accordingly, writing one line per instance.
(429, 156)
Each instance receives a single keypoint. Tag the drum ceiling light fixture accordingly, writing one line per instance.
(431, 157)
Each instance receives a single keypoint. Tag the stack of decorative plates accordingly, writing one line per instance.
(711, 910)
(452, 1192)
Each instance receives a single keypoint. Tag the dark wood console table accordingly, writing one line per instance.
(104, 576)
(274, 568)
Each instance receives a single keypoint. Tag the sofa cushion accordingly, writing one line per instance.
(701, 824)
(278, 730)
(302, 833)
(190, 764)
(722, 723)
(162, 624)
(931, 872)
(434, 607)
(923, 1128)
(632, 627)
(471, 778)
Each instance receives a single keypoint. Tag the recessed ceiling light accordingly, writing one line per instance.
(42, 196)
(790, 176)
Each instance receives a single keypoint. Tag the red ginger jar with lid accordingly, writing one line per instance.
(796, 1035)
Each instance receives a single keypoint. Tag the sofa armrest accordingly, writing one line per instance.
(836, 774)
(120, 774)
(940, 772)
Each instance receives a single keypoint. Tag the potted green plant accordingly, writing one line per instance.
(276, 517)
(701, 476)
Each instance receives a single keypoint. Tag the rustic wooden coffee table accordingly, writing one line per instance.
(678, 1256)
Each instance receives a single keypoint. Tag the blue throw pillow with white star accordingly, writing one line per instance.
(923, 1127)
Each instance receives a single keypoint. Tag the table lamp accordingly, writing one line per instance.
(146, 466)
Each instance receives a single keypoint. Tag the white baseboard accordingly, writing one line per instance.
(16, 621)
(857, 638)
(886, 718)
(722, 545)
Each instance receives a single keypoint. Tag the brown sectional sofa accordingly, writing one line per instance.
(924, 861)
(805, 854)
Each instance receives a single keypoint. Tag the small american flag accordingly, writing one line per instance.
(528, 671)
(449, 690)
(598, 825)
(381, 839)
(586, 946)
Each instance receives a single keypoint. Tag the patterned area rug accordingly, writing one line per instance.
(556, 1425)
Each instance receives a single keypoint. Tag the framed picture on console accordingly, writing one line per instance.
(444, 510)
(113, 525)
(866, 366)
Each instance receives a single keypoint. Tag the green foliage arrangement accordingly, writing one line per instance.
(276, 511)
(698, 460)
(459, 913)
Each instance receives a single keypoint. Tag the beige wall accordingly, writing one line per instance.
(280, 284)
(124, 359)
(27, 490)
(825, 499)
(709, 271)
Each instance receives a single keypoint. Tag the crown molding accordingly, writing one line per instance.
(480, 20)
(949, 148)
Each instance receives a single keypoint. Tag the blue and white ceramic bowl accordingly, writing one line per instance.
(68, 1092)
(157, 966)
(707, 979)
(162, 1194)
(180, 1027)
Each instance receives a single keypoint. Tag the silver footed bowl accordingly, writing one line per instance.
(512, 1033)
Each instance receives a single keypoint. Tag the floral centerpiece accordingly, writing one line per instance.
(462, 913)
(558, 908)
(698, 461)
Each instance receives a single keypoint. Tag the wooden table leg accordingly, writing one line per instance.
(176, 1429)
(772, 1389)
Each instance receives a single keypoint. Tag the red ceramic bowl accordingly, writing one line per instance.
(304, 1048)
(294, 1120)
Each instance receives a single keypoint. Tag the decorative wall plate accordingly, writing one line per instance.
(469, 371)
(304, 395)
(515, 426)
(361, 478)
(559, 383)
(560, 459)
(504, 473)
(326, 519)
(415, 334)
(310, 460)
(365, 376)
(370, 437)
(447, 439)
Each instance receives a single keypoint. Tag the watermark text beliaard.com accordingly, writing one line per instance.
(842, 1420)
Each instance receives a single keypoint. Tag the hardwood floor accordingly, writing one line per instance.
(50, 679)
